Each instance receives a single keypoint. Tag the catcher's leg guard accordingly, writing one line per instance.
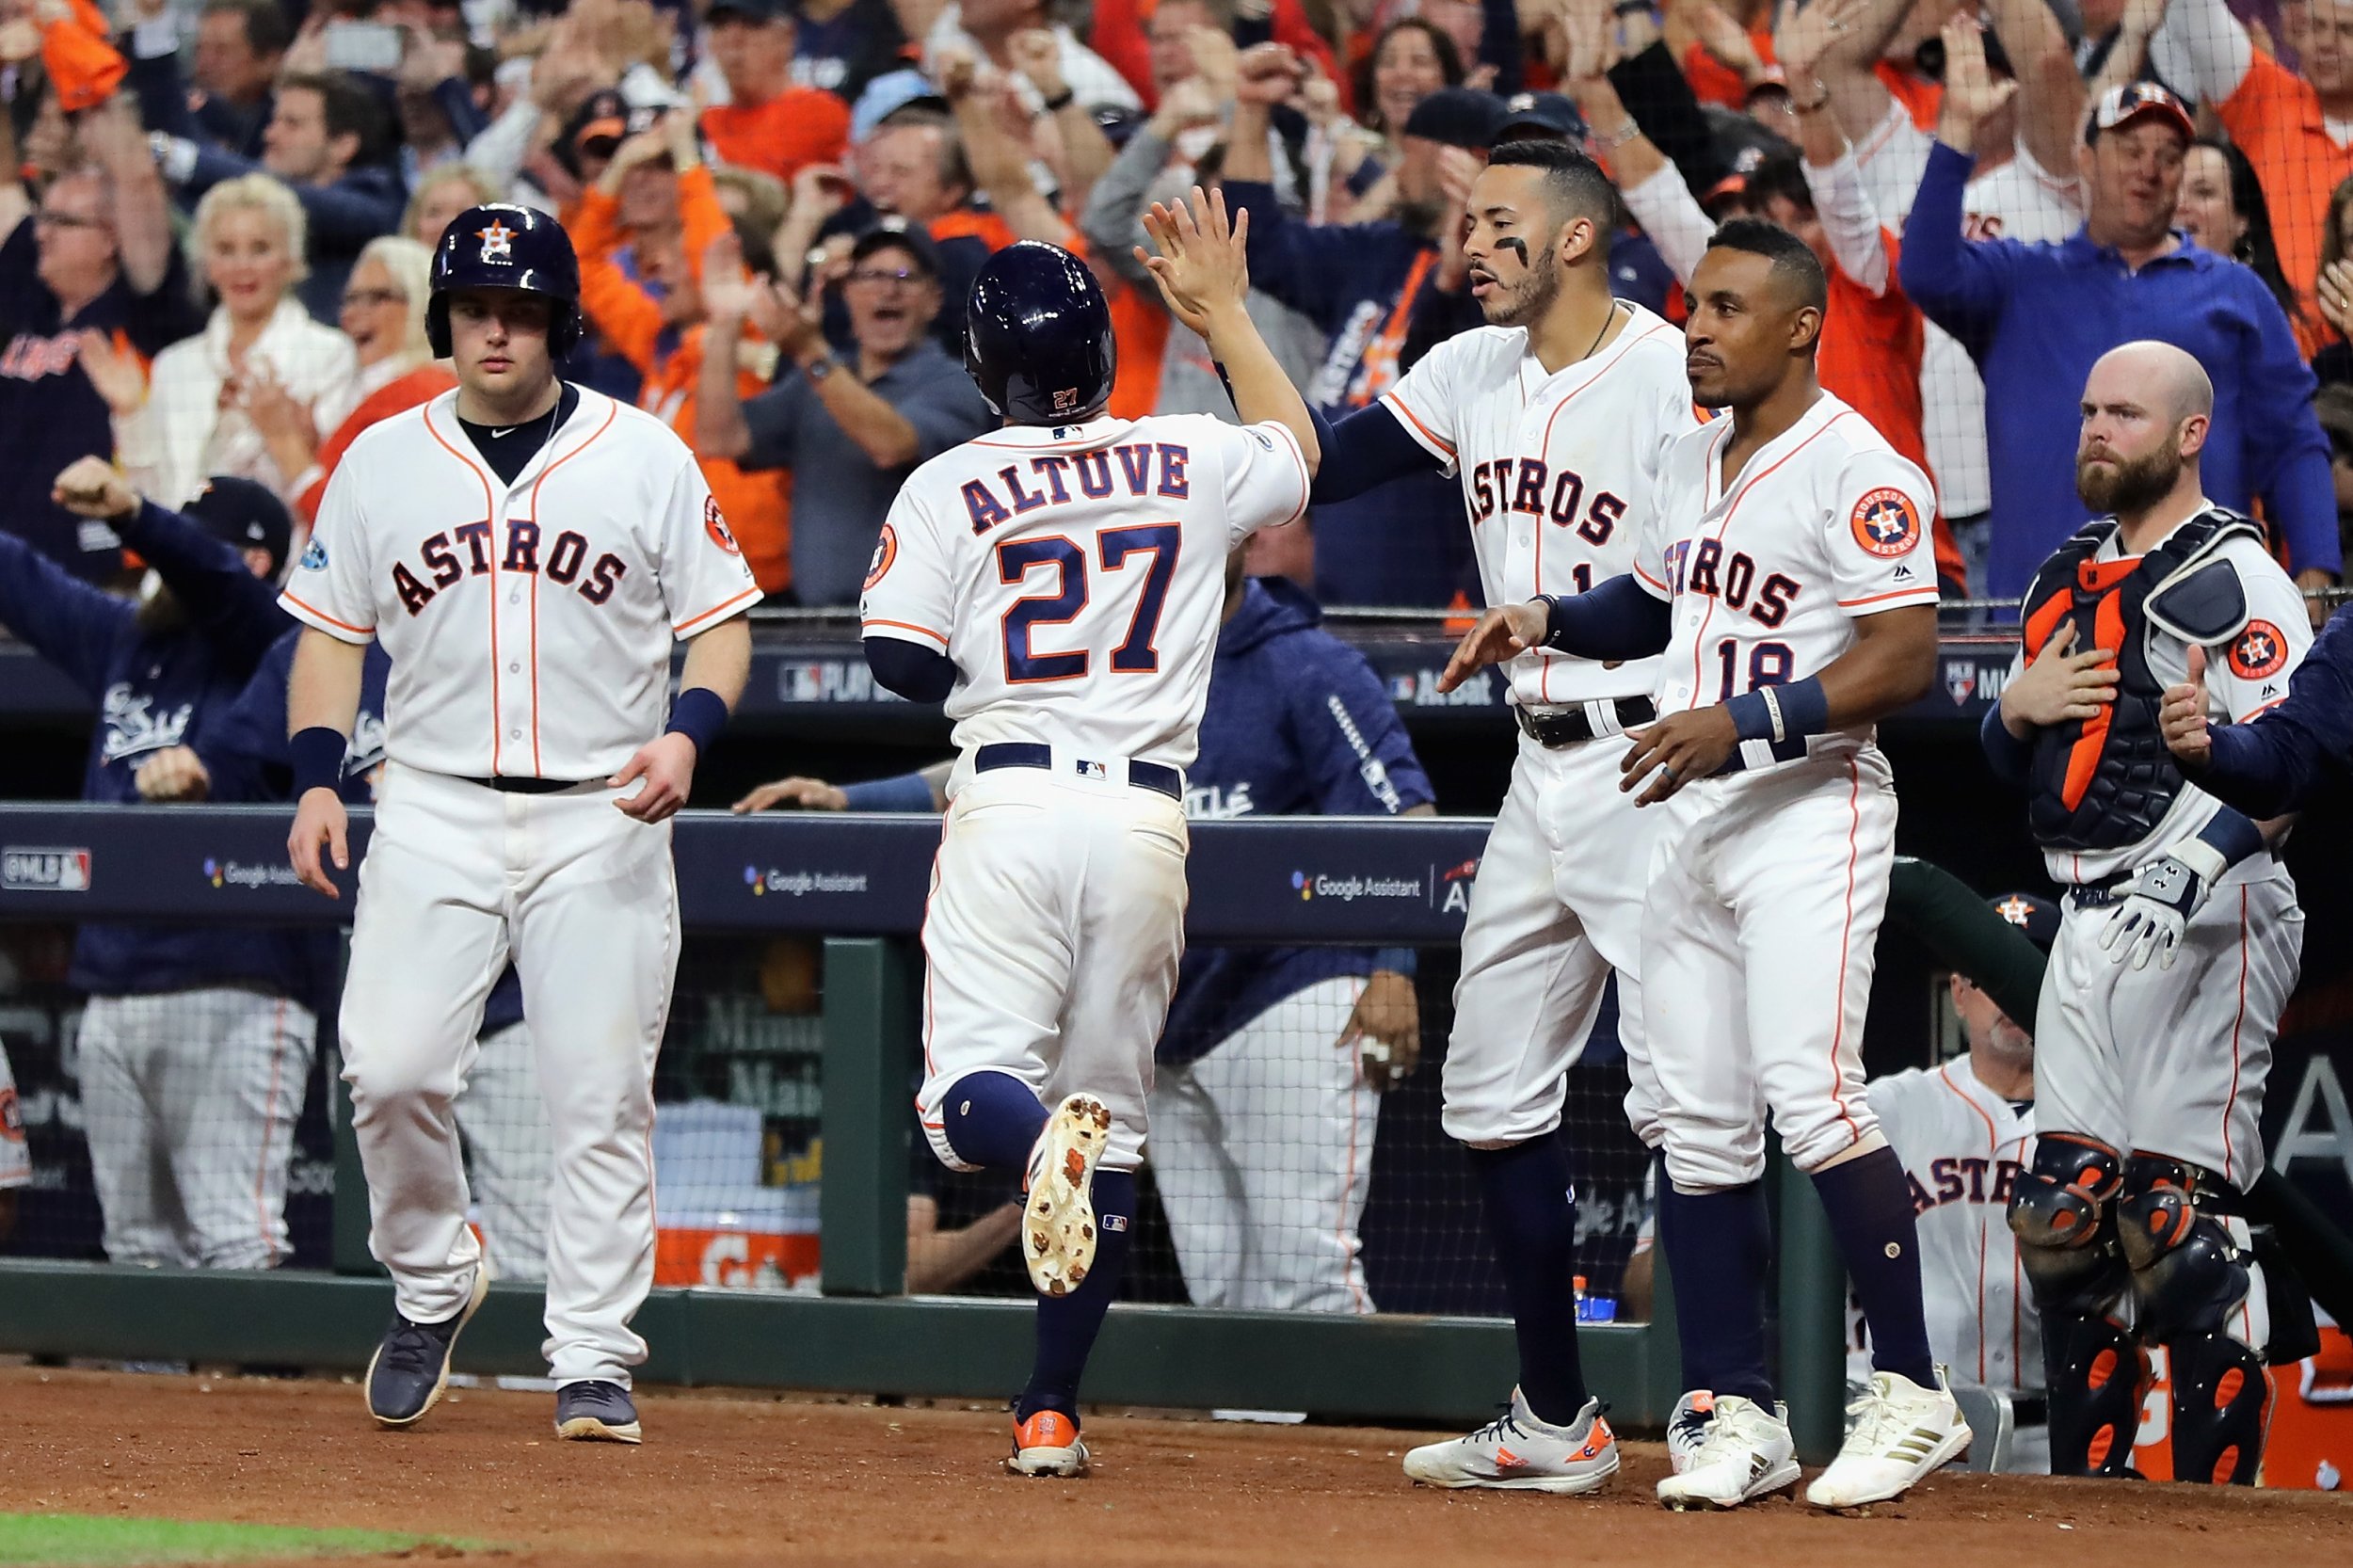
(2191, 1277)
(2067, 1244)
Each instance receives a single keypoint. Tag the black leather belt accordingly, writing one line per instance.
(2099, 895)
(519, 784)
(1568, 726)
(1031, 754)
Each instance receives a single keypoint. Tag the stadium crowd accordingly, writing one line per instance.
(217, 217)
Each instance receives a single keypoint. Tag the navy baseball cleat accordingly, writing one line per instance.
(596, 1411)
(411, 1367)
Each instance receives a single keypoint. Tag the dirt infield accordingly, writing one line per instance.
(727, 1479)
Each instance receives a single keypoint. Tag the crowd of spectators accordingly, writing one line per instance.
(216, 220)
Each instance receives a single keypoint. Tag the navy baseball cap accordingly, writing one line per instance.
(248, 516)
(1528, 116)
(896, 234)
(2038, 917)
(1457, 117)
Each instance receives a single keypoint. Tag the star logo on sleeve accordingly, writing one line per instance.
(498, 241)
(2260, 651)
(1887, 523)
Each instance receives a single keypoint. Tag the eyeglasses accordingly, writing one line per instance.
(365, 298)
(889, 275)
(48, 219)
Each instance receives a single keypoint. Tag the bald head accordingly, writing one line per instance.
(2167, 378)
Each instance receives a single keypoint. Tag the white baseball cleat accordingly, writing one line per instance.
(1747, 1453)
(1897, 1433)
(1058, 1210)
(1520, 1453)
(1687, 1429)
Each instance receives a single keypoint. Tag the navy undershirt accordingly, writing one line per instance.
(508, 448)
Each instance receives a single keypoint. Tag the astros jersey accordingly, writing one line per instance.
(1963, 1148)
(1075, 574)
(1822, 525)
(1558, 470)
(2249, 676)
(529, 625)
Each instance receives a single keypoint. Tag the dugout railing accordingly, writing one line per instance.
(858, 883)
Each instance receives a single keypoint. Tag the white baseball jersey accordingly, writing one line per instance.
(16, 1157)
(1055, 565)
(1822, 525)
(1964, 1148)
(2242, 680)
(529, 625)
(1556, 505)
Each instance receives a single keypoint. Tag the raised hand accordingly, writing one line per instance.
(1971, 95)
(1037, 55)
(727, 292)
(1503, 632)
(90, 488)
(1204, 259)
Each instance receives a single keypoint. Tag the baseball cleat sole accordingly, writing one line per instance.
(1058, 1213)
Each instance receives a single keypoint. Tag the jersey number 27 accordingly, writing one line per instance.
(1018, 558)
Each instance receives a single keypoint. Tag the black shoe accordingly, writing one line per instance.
(411, 1367)
(596, 1411)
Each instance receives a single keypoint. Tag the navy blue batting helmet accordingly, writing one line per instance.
(1037, 337)
(502, 246)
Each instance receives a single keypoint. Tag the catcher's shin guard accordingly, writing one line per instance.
(2192, 1280)
(2094, 1373)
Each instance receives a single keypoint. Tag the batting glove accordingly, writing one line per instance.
(2163, 898)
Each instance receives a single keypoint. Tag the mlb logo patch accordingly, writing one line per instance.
(1887, 523)
(315, 556)
(1096, 771)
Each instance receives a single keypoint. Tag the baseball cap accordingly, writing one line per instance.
(1457, 117)
(1545, 113)
(600, 124)
(886, 95)
(752, 11)
(896, 234)
(241, 513)
(2038, 917)
(2121, 105)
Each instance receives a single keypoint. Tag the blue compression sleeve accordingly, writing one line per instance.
(2010, 758)
(907, 792)
(1620, 619)
(917, 673)
(1368, 448)
(2231, 835)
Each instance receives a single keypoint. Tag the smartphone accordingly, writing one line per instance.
(372, 46)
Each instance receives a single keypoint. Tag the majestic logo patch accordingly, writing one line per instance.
(716, 526)
(498, 241)
(315, 556)
(886, 551)
(2260, 651)
(1885, 523)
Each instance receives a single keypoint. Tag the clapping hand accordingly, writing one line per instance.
(1204, 259)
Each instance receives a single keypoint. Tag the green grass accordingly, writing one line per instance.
(87, 1541)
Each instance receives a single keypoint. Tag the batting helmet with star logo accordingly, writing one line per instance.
(503, 245)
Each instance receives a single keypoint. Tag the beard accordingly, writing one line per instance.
(2131, 484)
(1528, 302)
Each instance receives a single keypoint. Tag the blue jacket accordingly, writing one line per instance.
(2036, 316)
(2277, 762)
(1404, 543)
(1297, 725)
(153, 691)
(247, 754)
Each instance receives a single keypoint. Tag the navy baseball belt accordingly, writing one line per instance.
(1568, 726)
(1033, 754)
(522, 784)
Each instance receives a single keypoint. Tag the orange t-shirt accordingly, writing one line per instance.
(1140, 322)
(798, 127)
(2275, 118)
(421, 385)
(758, 506)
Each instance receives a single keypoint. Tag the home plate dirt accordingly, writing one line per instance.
(758, 1479)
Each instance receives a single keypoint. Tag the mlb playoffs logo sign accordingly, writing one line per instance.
(44, 871)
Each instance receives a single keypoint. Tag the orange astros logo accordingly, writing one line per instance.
(1885, 523)
(498, 241)
(716, 526)
(886, 551)
(2260, 651)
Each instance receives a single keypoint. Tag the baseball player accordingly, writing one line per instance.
(501, 1114)
(1964, 1132)
(1555, 506)
(2151, 1076)
(196, 1041)
(1058, 582)
(1782, 575)
(528, 552)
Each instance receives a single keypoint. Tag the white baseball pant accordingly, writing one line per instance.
(1262, 1151)
(510, 1152)
(2171, 1061)
(1758, 943)
(457, 876)
(1052, 936)
(1556, 905)
(189, 1100)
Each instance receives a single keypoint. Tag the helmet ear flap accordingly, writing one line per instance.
(436, 326)
(566, 330)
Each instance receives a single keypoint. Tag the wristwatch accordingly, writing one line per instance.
(1060, 101)
(821, 367)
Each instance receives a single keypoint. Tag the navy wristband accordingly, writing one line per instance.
(907, 792)
(317, 754)
(700, 714)
(2233, 836)
(1396, 960)
(1751, 719)
(1781, 713)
